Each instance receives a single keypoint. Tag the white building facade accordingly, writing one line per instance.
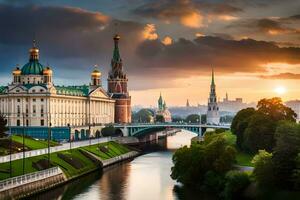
(33, 101)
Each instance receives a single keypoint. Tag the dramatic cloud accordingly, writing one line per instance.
(270, 26)
(187, 12)
(187, 58)
(72, 40)
(282, 76)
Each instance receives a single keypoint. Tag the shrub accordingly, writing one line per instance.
(73, 161)
(236, 183)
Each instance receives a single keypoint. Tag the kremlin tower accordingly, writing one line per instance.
(213, 116)
(117, 86)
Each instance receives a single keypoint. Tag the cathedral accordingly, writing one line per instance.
(213, 116)
(163, 110)
(32, 102)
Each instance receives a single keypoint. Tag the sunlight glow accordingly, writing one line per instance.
(280, 90)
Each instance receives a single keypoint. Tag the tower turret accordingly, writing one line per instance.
(17, 75)
(48, 73)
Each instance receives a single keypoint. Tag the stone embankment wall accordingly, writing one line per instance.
(26, 185)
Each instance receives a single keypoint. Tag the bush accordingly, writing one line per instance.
(236, 183)
(263, 168)
(73, 161)
(42, 164)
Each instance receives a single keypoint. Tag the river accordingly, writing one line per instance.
(145, 178)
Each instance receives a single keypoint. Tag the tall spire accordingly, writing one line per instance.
(212, 76)
(116, 54)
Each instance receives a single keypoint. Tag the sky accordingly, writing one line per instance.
(167, 46)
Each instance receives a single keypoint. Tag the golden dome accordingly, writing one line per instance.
(117, 37)
(17, 71)
(47, 71)
(96, 73)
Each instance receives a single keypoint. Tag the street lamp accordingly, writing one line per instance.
(49, 137)
(70, 139)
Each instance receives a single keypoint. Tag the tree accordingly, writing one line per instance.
(240, 123)
(177, 119)
(259, 134)
(236, 183)
(3, 126)
(214, 155)
(193, 118)
(143, 116)
(159, 118)
(263, 168)
(108, 131)
(286, 152)
(276, 110)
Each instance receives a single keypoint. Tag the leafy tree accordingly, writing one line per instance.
(143, 116)
(276, 110)
(3, 126)
(108, 131)
(263, 168)
(159, 118)
(193, 118)
(191, 165)
(236, 183)
(240, 123)
(259, 133)
(177, 119)
(285, 156)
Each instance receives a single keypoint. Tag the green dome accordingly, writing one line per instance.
(33, 67)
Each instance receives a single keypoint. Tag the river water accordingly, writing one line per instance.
(145, 178)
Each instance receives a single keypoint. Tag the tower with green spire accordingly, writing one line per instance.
(213, 116)
(117, 86)
(160, 102)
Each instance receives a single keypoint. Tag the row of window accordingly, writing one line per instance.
(27, 122)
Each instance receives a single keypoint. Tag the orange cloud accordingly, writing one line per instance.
(193, 20)
(167, 40)
(149, 32)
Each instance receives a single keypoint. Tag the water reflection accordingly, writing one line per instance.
(146, 177)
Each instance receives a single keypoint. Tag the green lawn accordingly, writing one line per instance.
(114, 148)
(32, 143)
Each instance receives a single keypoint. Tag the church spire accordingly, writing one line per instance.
(116, 53)
(212, 76)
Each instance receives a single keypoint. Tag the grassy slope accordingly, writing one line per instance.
(32, 143)
(242, 158)
(115, 149)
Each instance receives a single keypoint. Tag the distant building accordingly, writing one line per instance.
(163, 110)
(187, 103)
(295, 106)
(213, 116)
(231, 105)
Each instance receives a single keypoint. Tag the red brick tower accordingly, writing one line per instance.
(117, 86)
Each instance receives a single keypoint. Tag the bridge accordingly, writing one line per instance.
(139, 129)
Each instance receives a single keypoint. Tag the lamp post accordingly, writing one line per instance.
(49, 137)
(10, 146)
(23, 134)
(70, 135)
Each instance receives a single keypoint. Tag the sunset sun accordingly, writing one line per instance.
(280, 90)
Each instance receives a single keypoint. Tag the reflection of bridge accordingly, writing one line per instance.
(140, 129)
